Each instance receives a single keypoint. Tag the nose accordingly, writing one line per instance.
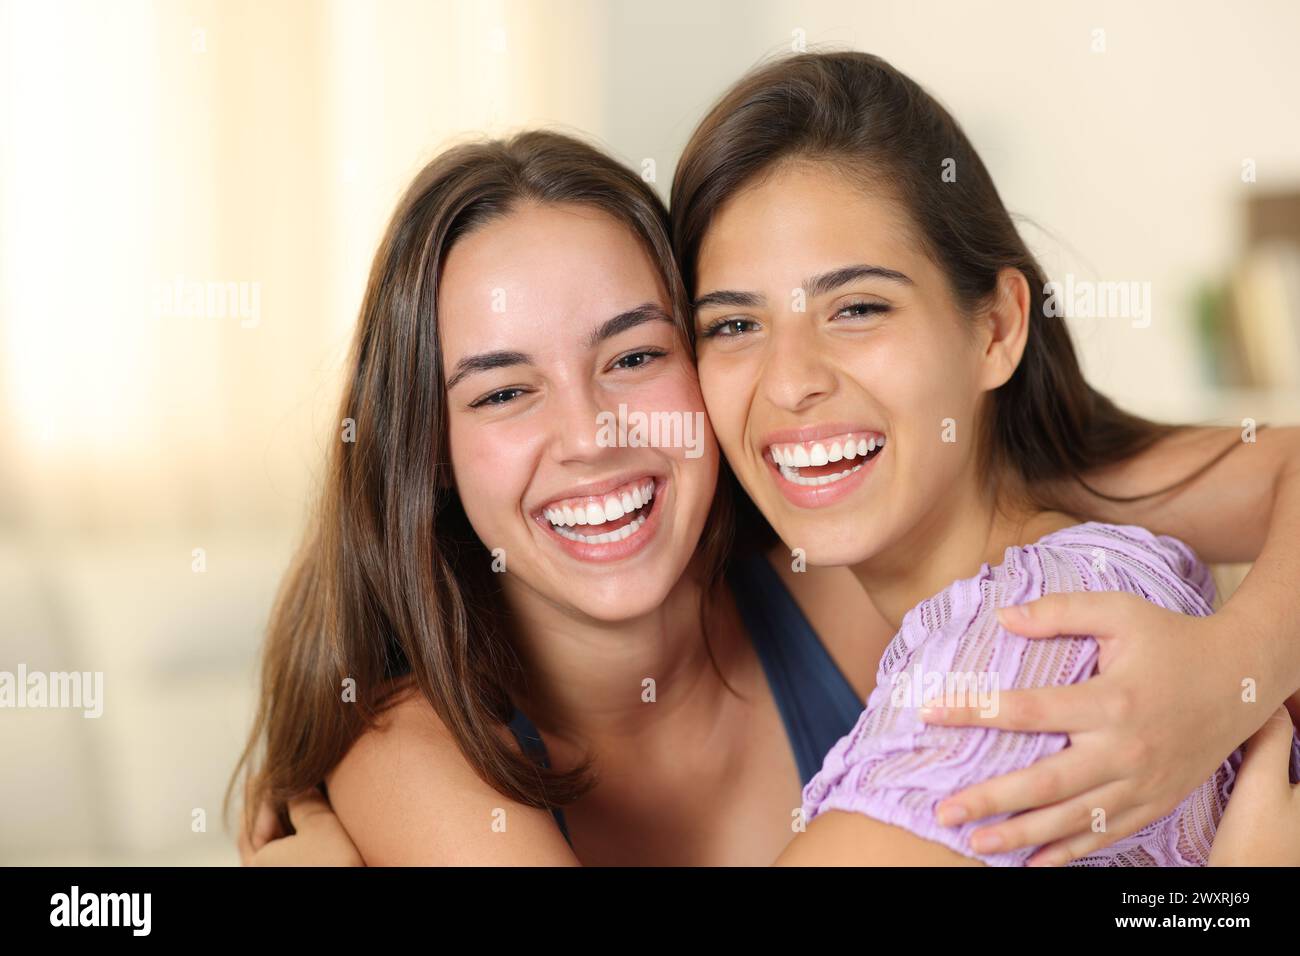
(796, 374)
(575, 425)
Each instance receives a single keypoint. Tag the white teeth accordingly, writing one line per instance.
(810, 454)
(611, 509)
(795, 478)
(790, 459)
(607, 537)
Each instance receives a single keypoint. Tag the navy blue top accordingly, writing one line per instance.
(817, 703)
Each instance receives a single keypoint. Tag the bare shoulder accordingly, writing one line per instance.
(408, 797)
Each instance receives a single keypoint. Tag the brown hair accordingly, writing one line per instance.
(391, 585)
(858, 113)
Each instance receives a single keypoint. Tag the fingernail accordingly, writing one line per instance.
(953, 815)
(986, 841)
(933, 713)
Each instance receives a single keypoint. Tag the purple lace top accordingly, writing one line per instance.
(897, 769)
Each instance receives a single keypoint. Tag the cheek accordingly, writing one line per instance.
(677, 390)
(923, 377)
(678, 393)
(726, 386)
(491, 469)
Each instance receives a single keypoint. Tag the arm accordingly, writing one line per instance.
(318, 839)
(406, 796)
(1261, 826)
(1245, 508)
(1169, 699)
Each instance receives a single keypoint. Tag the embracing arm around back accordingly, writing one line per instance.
(1173, 692)
(1245, 508)
(878, 796)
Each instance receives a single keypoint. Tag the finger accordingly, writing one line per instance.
(306, 806)
(276, 853)
(1062, 775)
(243, 842)
(1047, 824)
(245, 847)
(266, 826)
(1062, 709)
(1096, 613)
(1062, 852)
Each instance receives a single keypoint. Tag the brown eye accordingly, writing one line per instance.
(729, 328)
(861, 310)
(500, 397)
(638, 359)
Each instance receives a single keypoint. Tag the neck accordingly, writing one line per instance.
(972, 525)
(585, 682)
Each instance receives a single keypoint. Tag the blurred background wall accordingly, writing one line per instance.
(157, 461)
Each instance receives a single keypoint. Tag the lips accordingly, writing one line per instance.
(608, 522)
(820, 465)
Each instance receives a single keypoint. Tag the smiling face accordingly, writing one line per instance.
(836, 366)
(549, 317)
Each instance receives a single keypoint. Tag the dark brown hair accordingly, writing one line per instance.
(873, 123)
(392, 587)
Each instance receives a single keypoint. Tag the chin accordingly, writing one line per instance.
(617, 608)
(833, 546)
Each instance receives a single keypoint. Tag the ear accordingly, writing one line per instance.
(1006, 330)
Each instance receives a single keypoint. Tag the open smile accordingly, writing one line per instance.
(820, 471)
(608, 526)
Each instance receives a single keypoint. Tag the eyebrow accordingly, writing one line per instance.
(490, 361)
(486, 362)
(645, 312)
(814, 286)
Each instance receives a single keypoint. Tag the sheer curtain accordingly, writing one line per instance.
(190, 195)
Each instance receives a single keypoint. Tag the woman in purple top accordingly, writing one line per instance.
(870, 415)
(888, 379)
(897, 769)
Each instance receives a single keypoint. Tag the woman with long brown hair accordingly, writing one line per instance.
(449, 586)
(914, 413)
(496, 590)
